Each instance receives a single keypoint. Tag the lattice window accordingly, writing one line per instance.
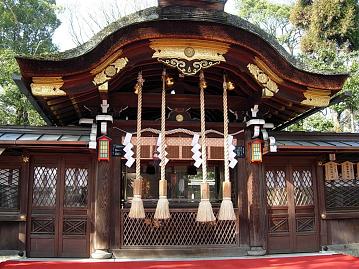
(43, 226)
(276, 188)
(342, 194)
(9, 188)
(303, 188)
(74, 226)
(305, 224)
(278, 225)
(44, 186)
(76, 187)
(180, 230)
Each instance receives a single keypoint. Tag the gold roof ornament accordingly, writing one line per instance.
(347, 170)
(189, 56)
(269, 86)
(331, 171)
(316, 97)
(109, 71)
(47, 86)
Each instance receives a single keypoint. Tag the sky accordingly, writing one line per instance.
(89, 17)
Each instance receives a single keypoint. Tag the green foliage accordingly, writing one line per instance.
(26, 27)
(328, 34)
(316, 122)
(327, 23)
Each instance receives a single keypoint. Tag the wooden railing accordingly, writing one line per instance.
(181, 230)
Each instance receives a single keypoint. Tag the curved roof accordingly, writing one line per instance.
(172, 13)
(131, 37)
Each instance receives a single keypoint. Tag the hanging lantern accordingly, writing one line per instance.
(104, 148)
(256, 151)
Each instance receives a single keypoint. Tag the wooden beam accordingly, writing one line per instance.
(130, 125)
(152, 100)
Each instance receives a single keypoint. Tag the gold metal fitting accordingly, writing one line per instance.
(136, 88)
(230, 86)
(169, 81)
(203, 84)
(25, 159)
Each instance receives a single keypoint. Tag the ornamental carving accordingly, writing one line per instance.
(189, 56)
(316, 97)
(47, 86)
(269, 86)
(110, 71)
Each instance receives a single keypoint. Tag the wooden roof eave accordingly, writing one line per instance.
(229, 33)
(43, 143)
(332, 149)
(292, 77)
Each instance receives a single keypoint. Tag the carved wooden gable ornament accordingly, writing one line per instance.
(189, 56)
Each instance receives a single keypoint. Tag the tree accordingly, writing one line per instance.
(84, 25)
(331, 42)
(316, 122)
(327, 24)
(272, 18)
(26, 27)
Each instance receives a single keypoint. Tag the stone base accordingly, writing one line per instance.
(11, 255)
(348, 249)
(180, 253)
(101, 254)
(256, 251)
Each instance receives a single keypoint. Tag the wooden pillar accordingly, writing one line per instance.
(116, 204)
(323, 224)
(24, 192)
(102, 211)
(256, 202)
(243, 203)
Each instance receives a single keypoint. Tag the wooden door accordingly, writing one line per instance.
(59, 208)
(291, 208)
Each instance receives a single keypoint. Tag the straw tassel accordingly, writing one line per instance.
(137, 210)
(162, 209)
(226, 211)
(205, 211)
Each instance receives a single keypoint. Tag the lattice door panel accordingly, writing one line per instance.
(278, 225)
(59, 209)
(44, 186)
(305, 224)
(276, 188)
(43, 226)
(342, 194)
(303, 187)
(181, 230)
(76, 187)
(291, 208)
(9, 188)
(73, 226)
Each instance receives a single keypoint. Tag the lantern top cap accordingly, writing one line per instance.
(104, 137)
